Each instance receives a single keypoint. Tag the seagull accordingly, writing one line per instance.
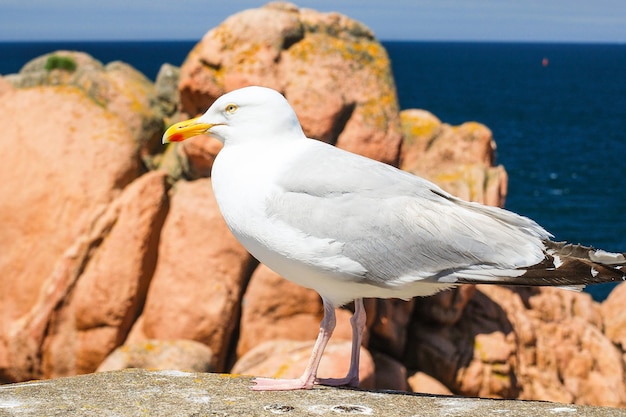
(350, 227)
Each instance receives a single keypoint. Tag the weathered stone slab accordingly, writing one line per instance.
(176, 394)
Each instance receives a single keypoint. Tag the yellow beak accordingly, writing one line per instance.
(185, 130)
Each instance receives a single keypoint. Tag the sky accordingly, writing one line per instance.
(445, 20)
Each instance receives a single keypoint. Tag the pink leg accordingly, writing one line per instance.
(358, 325)
(307, 379)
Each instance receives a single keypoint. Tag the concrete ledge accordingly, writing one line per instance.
(137, 392)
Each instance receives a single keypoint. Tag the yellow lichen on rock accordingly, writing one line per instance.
(330, 67)
(457, 158)
(117, 87)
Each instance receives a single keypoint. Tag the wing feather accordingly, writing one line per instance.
(396, 225)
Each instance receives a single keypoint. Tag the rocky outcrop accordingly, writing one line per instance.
(5, 86)
(530, 343)
(458, 158)
(72, 155)
(66, 168)
(333, 71)
(100, 309)
(117, 87)
(275, 309)
(108, 262)
(199, 277)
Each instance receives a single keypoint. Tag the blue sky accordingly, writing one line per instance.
(471, 20)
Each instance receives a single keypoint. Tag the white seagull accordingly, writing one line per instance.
(350, 227)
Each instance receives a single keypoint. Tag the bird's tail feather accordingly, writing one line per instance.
(565, 265)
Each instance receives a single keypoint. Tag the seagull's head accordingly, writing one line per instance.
(247, 114)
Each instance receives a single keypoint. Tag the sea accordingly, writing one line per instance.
(557, 112)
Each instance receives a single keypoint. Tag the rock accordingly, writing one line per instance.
(571, 351)
(388, 330)
(200, 274)
(181, 355)
(424, 383)
(446, 307)
(166, 89)
(5, 86)
(458, 158)
(274, 308)
(390, 374)
(111, 290)
(538, 343)
(614, 316)
(117, 87)
(198, 155)
(68, 167)
(288, 359)
(136, 392)
(334, 73)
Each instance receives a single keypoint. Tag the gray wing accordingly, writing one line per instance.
(397, 226)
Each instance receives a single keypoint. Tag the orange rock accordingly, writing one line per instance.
(201, 271)
(541, 343)
(64, 169)
(287, 359)
(200, 153)
(424, 383)
(572, 353)
(112, 287)
(274, 308)
(88, 140)
(181, 355)
(117, 86)
(5, 86)
(458, 158)
(614, 316)
(335, 74)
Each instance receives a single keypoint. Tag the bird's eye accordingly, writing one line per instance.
(231, 108)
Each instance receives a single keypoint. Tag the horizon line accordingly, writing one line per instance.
(155, 40)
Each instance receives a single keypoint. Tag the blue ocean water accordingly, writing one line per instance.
(557, 112)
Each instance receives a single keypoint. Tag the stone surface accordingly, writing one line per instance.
(111, 290)
(390, 373)
(460, 159)
(116, 86)
(67, 168)
(5, 86)
(198, 155)
(445, 307)
(179, 394)
(539, 343)
(614, 316)
(274, 308)
(288, 359)
(180, 355)
(200, 274)
(93, 157)
(389, 321)
(87, 305)
(426, 384)
(331, 68)
(166, 89)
